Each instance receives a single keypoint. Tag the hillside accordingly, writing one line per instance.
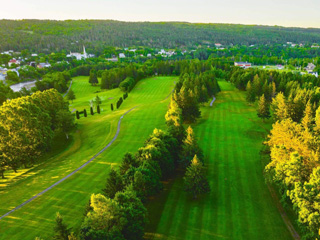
(48, 36)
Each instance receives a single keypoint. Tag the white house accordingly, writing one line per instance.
(242, 64)
(80, 56)
(310, 67)
(43, 65)
(13, 61)
(149, 55)
(34, 55)
(121, 55)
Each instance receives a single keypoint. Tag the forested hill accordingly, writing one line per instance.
(48, 36)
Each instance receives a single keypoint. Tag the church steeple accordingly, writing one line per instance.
(84, 51)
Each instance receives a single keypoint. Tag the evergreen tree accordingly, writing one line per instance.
(195, 181)
(190, 148)
(280, 107)
(111, 107)
(263, 108)
(77, 115)
(250, 97)
(93, 79)
(70, 95)
(308, 118)
(84, 112)
(114, 184)
(98, 100)
(98, 109)
(91, 110)
(61, 229)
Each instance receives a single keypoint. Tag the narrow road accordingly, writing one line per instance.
(214, 98)
(72, 173)
(68, 89)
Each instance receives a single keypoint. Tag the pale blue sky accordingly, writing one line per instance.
(268, 12)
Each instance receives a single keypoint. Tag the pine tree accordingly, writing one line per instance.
(84, 112)
(195, 181)
(98, 109)
(77, 115)
(91, 110)
(317, 121)
(308, 118)
(70, 95)
(114, 184)
(61, 229)
(251, 97)
(98, 100)
(263, 109)
(280, 107)
(93, 79)
(111, 107)
(190, 148)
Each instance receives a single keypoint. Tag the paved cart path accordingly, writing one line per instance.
(73, 172)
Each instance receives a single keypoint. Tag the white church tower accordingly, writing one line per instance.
(84, 52)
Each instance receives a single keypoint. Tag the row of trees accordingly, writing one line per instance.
(118, 212)
(294, 166)
(194, 89)
(293, 142)
(27, 126)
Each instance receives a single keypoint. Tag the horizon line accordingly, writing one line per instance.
(147, 21)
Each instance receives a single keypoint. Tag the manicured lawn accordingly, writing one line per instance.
(239, 205)
(93, 133)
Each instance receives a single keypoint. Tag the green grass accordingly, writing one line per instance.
(93, 133)
(239, 205)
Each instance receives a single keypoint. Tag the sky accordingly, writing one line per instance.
(287, 13)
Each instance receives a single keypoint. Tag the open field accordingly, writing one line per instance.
(93, 133)
(239, 205)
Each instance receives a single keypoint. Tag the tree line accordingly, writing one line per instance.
(96, 35)
(292, 145)
(118, 212)
(28, 125)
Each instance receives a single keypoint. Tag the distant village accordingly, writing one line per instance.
(17, 62)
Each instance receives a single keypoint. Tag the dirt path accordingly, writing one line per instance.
(72, 173)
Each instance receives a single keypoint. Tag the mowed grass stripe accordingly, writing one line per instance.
(70, 197)
(230, 135)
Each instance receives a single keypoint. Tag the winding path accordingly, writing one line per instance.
(66, 92)
(214, 98)
(73, 172)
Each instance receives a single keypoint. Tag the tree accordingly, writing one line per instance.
(194, 180)
(127, 162)
(308, 118)
(61, 229)
(91, 110)
(70, 95)
(111, 107)
(251, 96)
(77, 115)
(174, 121)
(98, 100)
(134, 212)
(85, 113)
(190, 148)
(93, 79)
(105, 221)
(65, 122)
(263, 108)
(280, 107)
(98, 109)
(114, 184)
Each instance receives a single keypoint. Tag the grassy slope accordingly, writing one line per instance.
(239, 205)
(94, 132)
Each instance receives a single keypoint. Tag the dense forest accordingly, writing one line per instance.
(48, 36)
